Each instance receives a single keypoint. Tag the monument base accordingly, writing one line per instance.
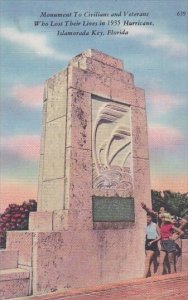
(71, 259)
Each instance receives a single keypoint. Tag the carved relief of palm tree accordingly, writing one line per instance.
(109, 113)
(106, 172)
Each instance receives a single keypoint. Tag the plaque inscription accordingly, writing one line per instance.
(113, 209)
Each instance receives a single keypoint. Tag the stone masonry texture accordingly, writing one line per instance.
(66, 245)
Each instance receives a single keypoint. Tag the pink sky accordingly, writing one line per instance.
(26, 147)
(31, 96)
(16, 192)
(160, 137)
(179, 184)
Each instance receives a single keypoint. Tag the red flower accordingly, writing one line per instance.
(13, 220)
(17, 215)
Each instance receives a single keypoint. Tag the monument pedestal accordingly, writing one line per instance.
(84, 258)
(78, 258)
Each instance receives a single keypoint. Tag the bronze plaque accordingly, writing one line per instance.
(113, 209)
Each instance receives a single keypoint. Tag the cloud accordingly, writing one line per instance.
(158, 40)
(22, 146)
(161, 137)
(167, 43)
(35, 42)
(161, 102)
(31, 96)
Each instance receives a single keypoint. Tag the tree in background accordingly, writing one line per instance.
(175, 203)
(15, 217)
(157, 200)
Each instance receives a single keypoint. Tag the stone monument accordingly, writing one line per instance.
(94, 173)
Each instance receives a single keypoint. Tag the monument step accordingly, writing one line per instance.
(8, 259)
(14, 283)
(165, 287)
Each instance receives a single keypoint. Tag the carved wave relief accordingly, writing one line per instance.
(112, 147)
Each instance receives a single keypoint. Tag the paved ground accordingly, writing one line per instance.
(166, 287)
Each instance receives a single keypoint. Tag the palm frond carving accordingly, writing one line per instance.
(112, 148)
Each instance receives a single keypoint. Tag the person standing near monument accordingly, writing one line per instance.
(168, 246)
(151, 247)
(184, 221)
(156, 215)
